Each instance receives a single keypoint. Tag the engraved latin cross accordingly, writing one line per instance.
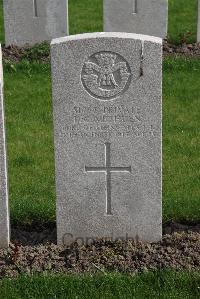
(35, 8)
(108, 169)
(134, 6)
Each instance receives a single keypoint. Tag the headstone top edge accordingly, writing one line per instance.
(125, 35)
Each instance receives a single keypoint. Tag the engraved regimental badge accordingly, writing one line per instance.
(106, 75)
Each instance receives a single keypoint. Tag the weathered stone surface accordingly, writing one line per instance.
(136, 16)
(107, 122)
(4, 213)
(34, 21)
(198, 29)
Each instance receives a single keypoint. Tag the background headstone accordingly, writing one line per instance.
(34, 21)
(198, 26)
(136, 16)
(4, 211)
(107, 122)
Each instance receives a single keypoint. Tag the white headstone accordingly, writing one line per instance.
(137, 16)
(4, 211)
(34, 21)
(198, 26)
(107, 119)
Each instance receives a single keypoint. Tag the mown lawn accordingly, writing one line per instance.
(30, 141)
(87, 16)
(31, 160)
(182, 21)
(162, 285)
(181, 142)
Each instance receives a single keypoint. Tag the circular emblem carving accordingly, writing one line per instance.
(106, 75)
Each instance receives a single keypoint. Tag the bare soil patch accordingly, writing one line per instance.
(180, 251)
(187, 50)
(41, 53)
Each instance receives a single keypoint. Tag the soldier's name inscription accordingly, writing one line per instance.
(116, 114)
(108, 121)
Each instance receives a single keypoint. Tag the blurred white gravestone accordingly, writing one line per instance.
(107, 130)
(28, 22)
(4, 210)
(148, 17)
(198, 26)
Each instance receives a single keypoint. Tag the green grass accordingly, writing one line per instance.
(87, 16)
(166, 285)
(182, 21)
(181, 139)
(30, 129)
(31, 160)
(30, 141)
